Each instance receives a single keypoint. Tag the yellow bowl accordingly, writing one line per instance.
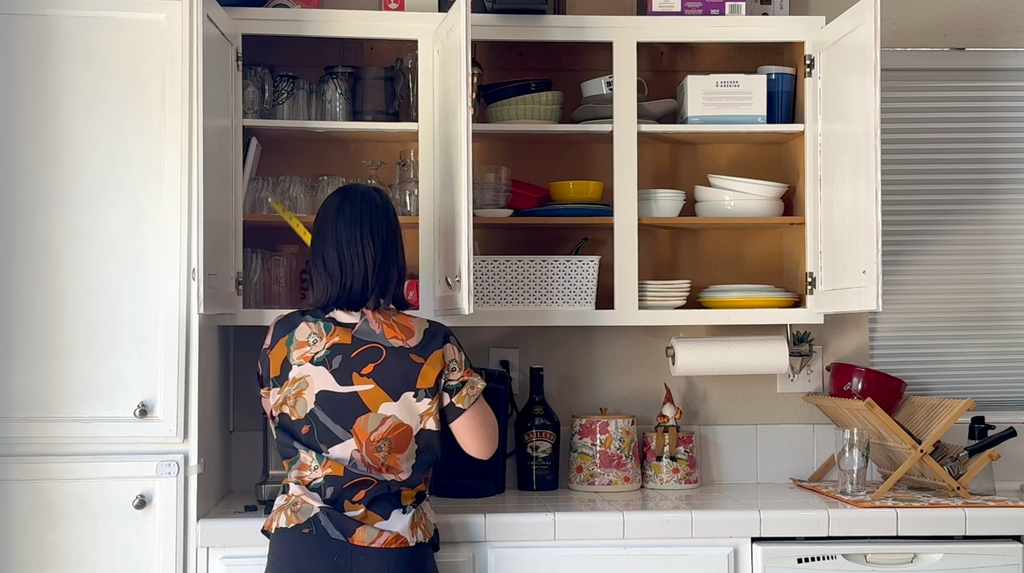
(740, 303)
(576, 191)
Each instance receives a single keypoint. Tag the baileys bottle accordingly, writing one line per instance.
(537, 432)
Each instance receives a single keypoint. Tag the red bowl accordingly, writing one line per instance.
(527, 196)
(857, 382)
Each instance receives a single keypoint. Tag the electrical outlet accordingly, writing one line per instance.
(512, 355)
(808, 380)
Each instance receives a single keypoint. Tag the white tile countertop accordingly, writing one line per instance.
(715, 511)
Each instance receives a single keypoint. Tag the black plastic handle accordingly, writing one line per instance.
(991, 442)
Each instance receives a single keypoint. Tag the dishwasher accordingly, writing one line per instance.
(996, 556)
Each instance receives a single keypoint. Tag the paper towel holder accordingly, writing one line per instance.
(803, 351)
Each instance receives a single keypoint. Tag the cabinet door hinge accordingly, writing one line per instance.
(239, 284)
(812, 283)
(238, 59)
(808, 66)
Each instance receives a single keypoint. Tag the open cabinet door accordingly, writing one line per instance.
(453, 234)
(218, 152)
(848, 275)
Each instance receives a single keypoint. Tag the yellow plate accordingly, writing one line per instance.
(739, 303)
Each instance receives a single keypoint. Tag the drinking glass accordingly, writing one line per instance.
(293, 192)
(257, 196)
(284, 96)
(253, 271)
(278, 278)
(410, 104)
(335, 93)
(406, 191)
(374, 179)
(324, 187)
(852, 460)
(299, 108)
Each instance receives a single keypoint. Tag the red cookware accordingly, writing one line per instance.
(527, 196)
(849, 381)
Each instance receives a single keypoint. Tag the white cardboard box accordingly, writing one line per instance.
(723, 99)
(767, 7)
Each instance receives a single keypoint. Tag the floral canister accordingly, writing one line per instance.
(604, 453)
(668, 473)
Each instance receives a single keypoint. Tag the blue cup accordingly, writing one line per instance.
(781, 92)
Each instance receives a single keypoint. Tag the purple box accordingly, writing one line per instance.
(696, 7)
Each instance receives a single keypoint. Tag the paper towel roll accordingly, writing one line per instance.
(738, 355)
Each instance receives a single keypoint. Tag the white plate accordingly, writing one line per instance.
(667, 282)
(609, 122)
(524, 122)
(767, 189)
(702, 193)
(493, 213)
(650, 110)
(659, 305)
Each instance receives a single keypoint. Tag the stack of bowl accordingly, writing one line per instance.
(660, 202)
(739, 197)
(663, 295)
(522, 101)
(492, 190)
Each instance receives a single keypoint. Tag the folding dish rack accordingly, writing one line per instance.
(896, 454)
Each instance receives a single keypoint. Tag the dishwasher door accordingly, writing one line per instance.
(888, 556)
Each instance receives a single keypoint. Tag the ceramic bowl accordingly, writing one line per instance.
(493, 213)
(524, 114)
(767, 189)
(547, 99)
(702, 193)
(577, 191)
(765, 208)
(660, 207)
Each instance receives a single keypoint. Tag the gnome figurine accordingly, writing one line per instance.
(667, 422)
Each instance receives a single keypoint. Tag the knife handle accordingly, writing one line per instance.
(990, 442)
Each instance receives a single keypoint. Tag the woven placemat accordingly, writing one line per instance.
(903, 496)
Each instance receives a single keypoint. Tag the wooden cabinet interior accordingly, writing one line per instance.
(663, 66)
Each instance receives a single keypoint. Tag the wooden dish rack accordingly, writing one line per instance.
(896, 454)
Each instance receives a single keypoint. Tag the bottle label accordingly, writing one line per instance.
(540, 443)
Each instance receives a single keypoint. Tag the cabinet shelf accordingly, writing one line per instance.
(562, 132)
(720, 222)
(362, 131)
(712, 134)
(307, 220)
(542, 221)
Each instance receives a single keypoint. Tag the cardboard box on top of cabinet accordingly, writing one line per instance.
(767, 7)
(696, 8)
(386, 5)
(597, 7)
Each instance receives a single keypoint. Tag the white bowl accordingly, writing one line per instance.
(661, 192)
(660, 207)
(740, 208)
(493, 213)
(661, 305)
(767, 189)
(671, 282)
(702, 193)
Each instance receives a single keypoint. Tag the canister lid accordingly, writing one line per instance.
(764, 70)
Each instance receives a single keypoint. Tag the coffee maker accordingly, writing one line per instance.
(460, 475)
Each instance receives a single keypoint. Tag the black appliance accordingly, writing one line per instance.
(460, 475)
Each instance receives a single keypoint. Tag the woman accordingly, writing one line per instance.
(356, 392)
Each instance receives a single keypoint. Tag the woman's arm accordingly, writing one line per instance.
(476, 430)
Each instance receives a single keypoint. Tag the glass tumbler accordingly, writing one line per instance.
(852, 460)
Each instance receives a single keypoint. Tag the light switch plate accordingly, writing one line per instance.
(809, 380)
(510, 354)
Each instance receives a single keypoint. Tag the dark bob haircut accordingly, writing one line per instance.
(357, 259)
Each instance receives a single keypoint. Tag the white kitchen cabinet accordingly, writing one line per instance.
(254, 560)
(556, 559)
(94, 228)
(825, 247)
(113, 514)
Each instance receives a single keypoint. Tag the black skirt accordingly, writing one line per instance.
(292, 551)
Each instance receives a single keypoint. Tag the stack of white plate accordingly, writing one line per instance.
(746, 296)
(739, 197)
(663, 295)
(660, 202)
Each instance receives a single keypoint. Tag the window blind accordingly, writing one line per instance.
(952, 319)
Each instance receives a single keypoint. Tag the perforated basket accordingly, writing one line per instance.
(527, 282)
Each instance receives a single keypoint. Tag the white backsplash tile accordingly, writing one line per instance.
(824, 446)
(784, 452)
(728, 454)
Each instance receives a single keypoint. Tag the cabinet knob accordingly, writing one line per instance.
(139, 503)
(451, 282)
(141, 411)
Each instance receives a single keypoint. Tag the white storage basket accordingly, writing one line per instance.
(535, 282)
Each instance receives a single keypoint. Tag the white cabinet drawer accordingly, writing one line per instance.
(254, 560)
(85, 514)
(609, 559)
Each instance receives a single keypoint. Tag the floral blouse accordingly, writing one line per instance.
(356, 402)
